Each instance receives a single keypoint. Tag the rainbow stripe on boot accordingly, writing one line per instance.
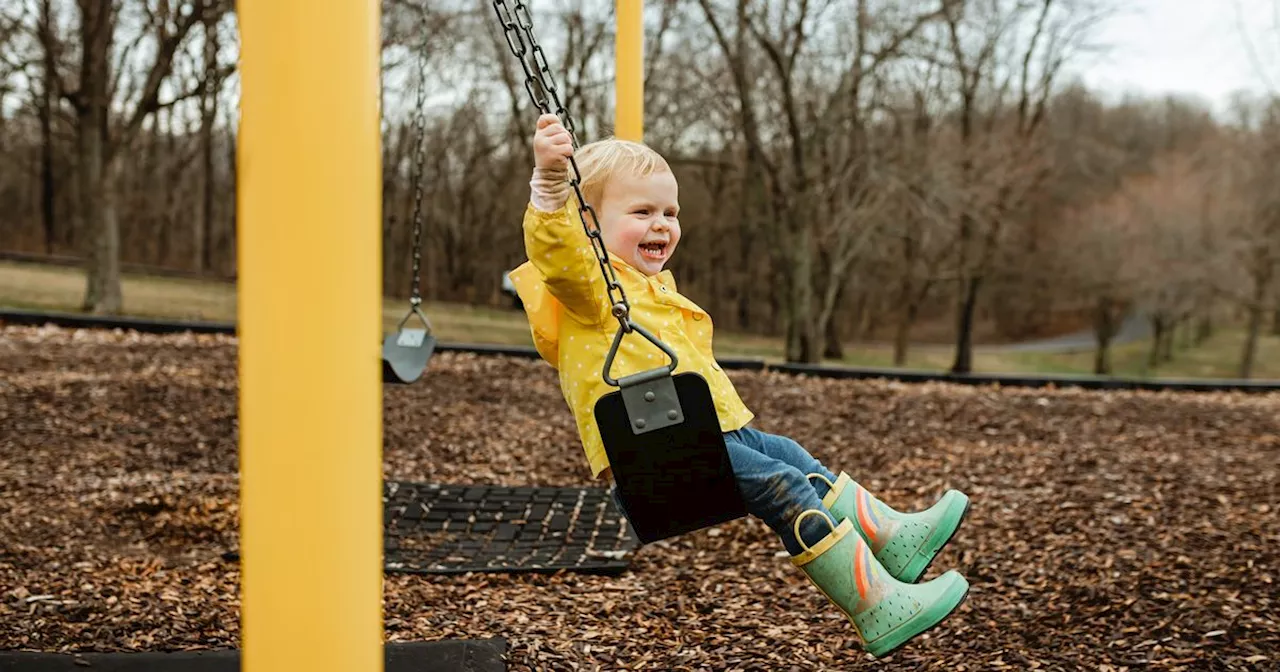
(903, 543)
(886, 613)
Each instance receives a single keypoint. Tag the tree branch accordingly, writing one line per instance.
(166, 47)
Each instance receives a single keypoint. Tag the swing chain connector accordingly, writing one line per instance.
(649, 397)
(415, 309)
(623, 330)
(622, 312)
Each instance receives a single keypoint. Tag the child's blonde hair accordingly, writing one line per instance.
(600, 161)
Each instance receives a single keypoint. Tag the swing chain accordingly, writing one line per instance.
(419, 150)
(513, 22)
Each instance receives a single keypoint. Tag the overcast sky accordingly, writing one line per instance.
(1194, 47)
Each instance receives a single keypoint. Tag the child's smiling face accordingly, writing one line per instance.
(639, 219)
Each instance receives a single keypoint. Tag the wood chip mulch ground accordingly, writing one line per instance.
(1109, 531)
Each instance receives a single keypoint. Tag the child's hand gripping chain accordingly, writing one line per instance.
(552, 147)
(552, 144)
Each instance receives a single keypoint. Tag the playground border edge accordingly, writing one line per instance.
(153, 326)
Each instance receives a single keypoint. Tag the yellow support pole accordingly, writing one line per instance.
(310, 319)
(629, 84)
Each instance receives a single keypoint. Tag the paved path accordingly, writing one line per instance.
(1134, 328)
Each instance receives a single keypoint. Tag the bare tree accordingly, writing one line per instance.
(1275, 315)
(866, 157)
(917, 236)
(805, 137)
(208, 116)
(12, 20)
(1007, 56)
(1168, 207)
(101, 137)
(1256, 229)
(1102, 237)
(45, 106)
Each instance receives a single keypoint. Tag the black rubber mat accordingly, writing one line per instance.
(449, 529)
(452, 655)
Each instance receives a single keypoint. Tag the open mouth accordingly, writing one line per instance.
(655, 250)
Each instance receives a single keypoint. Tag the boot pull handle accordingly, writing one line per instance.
(825, 517)
(830, 485)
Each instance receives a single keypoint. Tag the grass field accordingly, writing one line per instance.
(1217, 357)
(41, 287)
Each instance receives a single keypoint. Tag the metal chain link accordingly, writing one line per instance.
(420, 131)
(513, 23)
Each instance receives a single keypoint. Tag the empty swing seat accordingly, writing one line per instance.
(405, 355)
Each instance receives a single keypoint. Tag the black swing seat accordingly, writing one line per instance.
(668, 456)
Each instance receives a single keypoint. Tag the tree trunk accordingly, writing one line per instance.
(857, 308)
(208, 113)
(97, 209)
(902, 335)
(1159, 326)
(828, 318)
(180, 223)
(801, 339)
(103, 295)
(48, 99)
(832, 347)
(1102, 358)
(964, 327)
(389, 199)
(48, 187)
(1166, 346)
(1104, 327)
(233, 143)
(1275, 319)
(168, 213)
(1257, 308)
(1204, 329)
(45, 107)
(910, 299)
(743, 297)
(1251, 341)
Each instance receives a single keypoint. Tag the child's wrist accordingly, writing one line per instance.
(549, 188)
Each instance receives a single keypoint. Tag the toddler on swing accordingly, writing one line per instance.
(864, 556)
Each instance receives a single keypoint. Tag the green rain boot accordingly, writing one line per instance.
(904, 543)
(887, 613)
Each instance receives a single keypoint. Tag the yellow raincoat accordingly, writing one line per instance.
(565, 297)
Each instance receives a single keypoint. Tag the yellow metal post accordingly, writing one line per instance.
(310, 319)
(629, 85)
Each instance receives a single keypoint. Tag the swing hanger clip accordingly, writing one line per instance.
(649, 396)
(622, 312)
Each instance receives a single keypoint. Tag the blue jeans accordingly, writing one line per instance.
(771, 474)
